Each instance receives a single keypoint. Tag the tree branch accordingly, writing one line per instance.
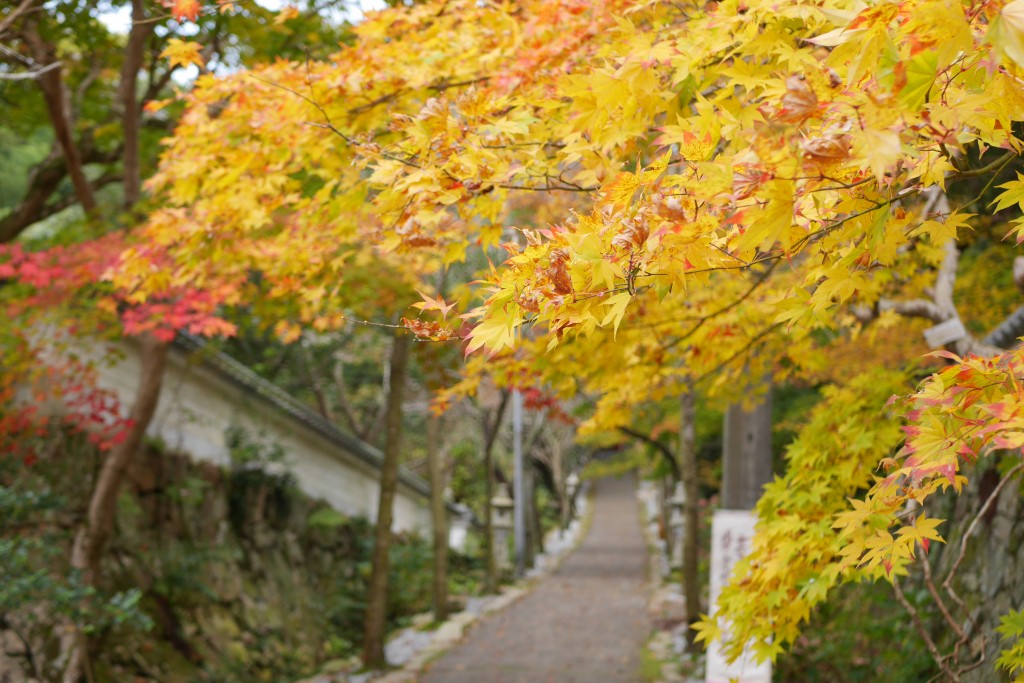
(29, 75)
(127, 94)
(52, 85)
(9, 20)
(43, 181)
(664, 450)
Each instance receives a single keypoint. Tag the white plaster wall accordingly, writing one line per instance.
(197, 404)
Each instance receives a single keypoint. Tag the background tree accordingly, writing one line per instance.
(785, 170)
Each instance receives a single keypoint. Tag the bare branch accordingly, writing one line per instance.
(29, 75)
(923, 632)
(947, 584)
(52, 85)
(9, 20)
(915, 308)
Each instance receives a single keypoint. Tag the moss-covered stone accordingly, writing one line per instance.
(239, 583)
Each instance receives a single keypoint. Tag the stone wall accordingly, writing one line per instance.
(243, 577)
(204, 393)
(991, 577)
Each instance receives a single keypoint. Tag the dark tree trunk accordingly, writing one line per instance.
(59, 110)
(92, 537)
(43, 182)
(376, 604)
(127, 93)
(691, 519)
(490, 429)
(439, 518)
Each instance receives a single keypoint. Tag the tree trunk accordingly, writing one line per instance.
(44, 180)
(92, 536)
(376, 604)
(490, 434)
(490, 565)
(536, 522)
(746, 454)
(439, 516)
(57, 107)
(691, 520)
(561, 489)
(127, 93)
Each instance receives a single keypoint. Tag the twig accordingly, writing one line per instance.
(29, 75)
(15, 13)
(758, 337)
(987, 168)
(929, 643)
(947, 584)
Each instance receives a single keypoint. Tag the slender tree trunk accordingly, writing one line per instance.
(92, 537)
(439, 516)
(691, 521)
(127, 93)
(561, 490)
(308, 368)
(490, 564)
(376, 604)
(536, 527)
(490, 434)
(59, 110)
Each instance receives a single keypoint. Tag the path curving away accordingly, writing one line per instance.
(586, 623)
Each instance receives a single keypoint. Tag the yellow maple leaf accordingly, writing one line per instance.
(182, 53)
(1008, 32)
(880, 149)
(620, 191)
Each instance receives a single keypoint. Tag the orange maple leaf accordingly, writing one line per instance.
(185, 9)
(437, 304)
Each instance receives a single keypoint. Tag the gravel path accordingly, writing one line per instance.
(585, 623)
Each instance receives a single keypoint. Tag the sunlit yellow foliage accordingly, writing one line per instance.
(732, 177)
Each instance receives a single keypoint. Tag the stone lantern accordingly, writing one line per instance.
(572, 483)
(501, 523)
(677, 525)
(458, 527)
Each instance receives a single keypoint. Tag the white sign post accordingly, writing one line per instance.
(731, 531)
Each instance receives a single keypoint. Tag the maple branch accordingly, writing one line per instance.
(996, 166)
(9, 20)
(131, 112)
(338, 372)
(947, 584)
(942, 307)
(306, 362)
(44, 180)
(491, 427)
(438, 87)
(158, 84)
(914, 308)
(926, 569)
(517, 145)
(749, 345)
(915, 616)
(52, 85)
(29, 75)
(809, 238)
(726, 308)
(664, 450)
(329, 125)
(78, 98)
